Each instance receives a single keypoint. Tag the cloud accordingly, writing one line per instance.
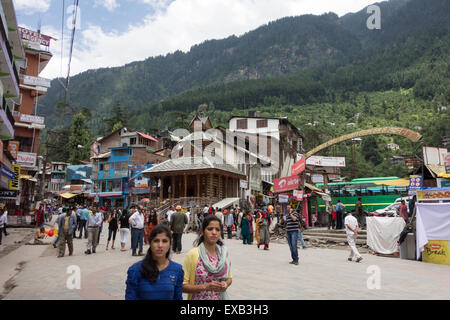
(30, 7)
(180, 24)
(110, 5)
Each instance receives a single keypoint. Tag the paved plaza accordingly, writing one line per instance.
(257, 274)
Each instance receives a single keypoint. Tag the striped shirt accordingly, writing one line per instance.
(292, 225)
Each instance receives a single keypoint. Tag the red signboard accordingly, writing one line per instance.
(13, 148)
(299, 166)
(447, 163)
(285, 184)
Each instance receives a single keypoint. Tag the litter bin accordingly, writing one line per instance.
(408, 247)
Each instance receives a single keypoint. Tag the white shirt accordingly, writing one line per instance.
(137, 220)
(188, 214)
(170, 213)
(219, 215)
(205, 210)
(352, 222)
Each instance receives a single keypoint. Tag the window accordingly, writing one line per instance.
(101, 167)
(241, 124)
(132, 141)
(261, 123)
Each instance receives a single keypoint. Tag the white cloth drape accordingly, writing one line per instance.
(433, 223)
(383, 233)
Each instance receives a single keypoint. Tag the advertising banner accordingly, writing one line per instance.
(26, 159)
(434, 194)
(14, 183)
(415, 182)
(298, 167)
(13, 148)
(286, 184)
(326, 161)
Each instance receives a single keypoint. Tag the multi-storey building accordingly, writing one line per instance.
(114, 170)
(11, 54)
(28, 123)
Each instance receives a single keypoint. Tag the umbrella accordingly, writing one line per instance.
(145, 200)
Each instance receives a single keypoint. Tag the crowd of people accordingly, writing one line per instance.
(206, 271)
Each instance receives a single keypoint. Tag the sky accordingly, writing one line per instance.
(111, 33)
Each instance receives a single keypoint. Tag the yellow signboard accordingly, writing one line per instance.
(436, 251)
(14, 183)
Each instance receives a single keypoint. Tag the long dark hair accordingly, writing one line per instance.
(149, 270)
(208, 219)
(153, 218)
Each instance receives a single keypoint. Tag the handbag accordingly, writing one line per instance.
(333, 215)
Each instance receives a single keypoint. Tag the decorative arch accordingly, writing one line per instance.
(411, 135)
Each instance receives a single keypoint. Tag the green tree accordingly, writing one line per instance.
(79, 140)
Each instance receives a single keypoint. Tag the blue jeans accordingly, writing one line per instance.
(300, 236)
(292, 238)
(137, 237)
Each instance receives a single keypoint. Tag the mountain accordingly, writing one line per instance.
(313, 69)
(274, 49)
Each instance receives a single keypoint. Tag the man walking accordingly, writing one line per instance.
(66, 226)
(137, 230)
(331, 221)
(177, 223)
(229, 221)
(351, 228)
(292, 229)
(93, 225)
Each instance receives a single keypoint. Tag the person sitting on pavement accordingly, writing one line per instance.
(40, 234)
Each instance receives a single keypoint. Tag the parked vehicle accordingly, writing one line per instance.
(391, 210)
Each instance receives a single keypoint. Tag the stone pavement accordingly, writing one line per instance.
(257, 274)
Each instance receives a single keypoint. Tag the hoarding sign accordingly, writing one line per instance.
(298, 167)
(437, 194)
(326, 161)
(286, 184)
(447, 163)
(415, 182)
(34, 36)
(37, 81)
(13, 148)
(31, 119)
(14, 183)
(283, 198)
(26, 159)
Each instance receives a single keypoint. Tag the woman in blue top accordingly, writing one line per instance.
(156, 277)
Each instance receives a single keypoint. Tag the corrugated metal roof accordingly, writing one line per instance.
(191, 163)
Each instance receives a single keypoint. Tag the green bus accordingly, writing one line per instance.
(376, 193)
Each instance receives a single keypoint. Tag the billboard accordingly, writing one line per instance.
(326, 161)
(14, 183)
(298, 167)
(26, 159)
(286, 184)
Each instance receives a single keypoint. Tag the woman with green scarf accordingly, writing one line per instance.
(207, 267)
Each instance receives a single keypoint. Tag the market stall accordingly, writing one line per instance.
(433, 232)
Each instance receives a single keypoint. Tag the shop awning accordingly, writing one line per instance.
(67, 195)
(393, 183)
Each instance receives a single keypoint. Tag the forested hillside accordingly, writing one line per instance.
(328, 75)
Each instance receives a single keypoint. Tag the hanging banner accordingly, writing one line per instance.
(326, 161)
(447, 163)
(14, 183)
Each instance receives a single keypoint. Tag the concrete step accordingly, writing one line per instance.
(333, 239)
(331, 231)
(332, 235)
